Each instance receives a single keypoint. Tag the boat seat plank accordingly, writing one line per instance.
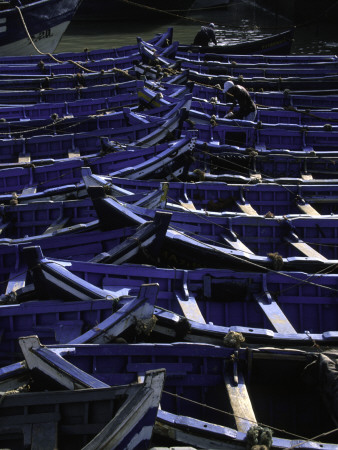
(24, 158)
(29, 190)
(306, 176)
(74, 153)
(44, 436)
(190, 308)
(275, 315)
(188, 205)
(17, 280)
(305, 249)
(236, 244)
(247, 209)
(255, 176)
(240, 402)
(57, 225)
(308, 209)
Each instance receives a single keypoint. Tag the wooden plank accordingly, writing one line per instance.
(74, 153)
(57, 225)
(256, 176)
(308, 209)
(237, 244)
(190, 308)
(247, 209)
(17, 280)
(273, 312)
(188, 205)
(240, 401)
(24, 158)
(306, 249)
(29, 190)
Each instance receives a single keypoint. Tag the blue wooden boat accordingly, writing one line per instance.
(238, 199)
(247, 70)
(94, 316)
(70, 67)
(203, 111)
(93, 417)
(199, 305)
(160, 40)
(82, 242)
(47, 217)
(66, 179)
(326, 82)
(259, 59)
(218, 242)
(314, 99)
(233, 164)
(122, 117)
(46, 21)
(243, 133)
(132, 128)
(278, 44)
(138, 93)
(66, 95)
(214, 396)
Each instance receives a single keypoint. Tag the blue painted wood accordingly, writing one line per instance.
(203, 384)
(225, 298)
(161, 40)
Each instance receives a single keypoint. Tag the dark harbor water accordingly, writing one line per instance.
(239, 22)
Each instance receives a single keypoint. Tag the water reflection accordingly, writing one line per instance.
(239, 22)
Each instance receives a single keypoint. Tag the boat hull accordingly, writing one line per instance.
(46, 22)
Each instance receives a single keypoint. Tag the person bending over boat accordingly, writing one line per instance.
(205, 35)
(247, 108)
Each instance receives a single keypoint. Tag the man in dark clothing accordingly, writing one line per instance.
(247, 107)
(205, 35)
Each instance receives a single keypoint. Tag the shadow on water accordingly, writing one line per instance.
(239, 22)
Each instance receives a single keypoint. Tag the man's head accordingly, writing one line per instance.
(211, 25)
(228, 85)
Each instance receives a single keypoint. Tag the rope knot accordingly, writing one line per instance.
(213, 121)
(14, 200)
(41, 65)
(233, 339)
(145, 326)
(277, 260)
(258, 438)
(213, 100)
(200, 174)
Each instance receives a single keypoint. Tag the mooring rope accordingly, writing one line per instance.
(80, 66)
(304, 439)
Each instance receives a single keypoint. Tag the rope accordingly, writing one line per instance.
(161, 11)
(80, 66)
(255, 423)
